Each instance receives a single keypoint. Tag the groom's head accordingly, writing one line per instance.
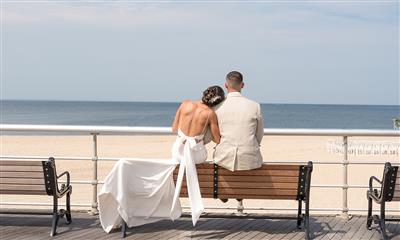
(234, 81)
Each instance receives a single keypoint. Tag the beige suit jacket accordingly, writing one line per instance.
(242, 128)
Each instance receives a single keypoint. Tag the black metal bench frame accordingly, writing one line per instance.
(303, 195)
(51, 184)
(385, 194)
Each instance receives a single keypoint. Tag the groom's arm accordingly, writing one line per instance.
(212, 132)
(207, 136)
(260, 125)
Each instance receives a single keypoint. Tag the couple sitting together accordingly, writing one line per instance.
(235, 124)
(140, 191)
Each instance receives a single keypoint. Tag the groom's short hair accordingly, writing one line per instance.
(234, 79)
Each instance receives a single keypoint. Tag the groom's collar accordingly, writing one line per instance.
(234, 94)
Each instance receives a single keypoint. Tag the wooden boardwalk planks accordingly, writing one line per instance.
(85, 226)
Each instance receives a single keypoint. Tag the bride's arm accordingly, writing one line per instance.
(175, 124)
(214, 128)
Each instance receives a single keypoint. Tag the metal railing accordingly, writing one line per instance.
(94, 131)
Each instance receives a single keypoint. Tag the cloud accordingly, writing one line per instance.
(306, 22)
(315, 48)
(373, 12)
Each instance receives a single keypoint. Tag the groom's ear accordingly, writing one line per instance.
(226, 85)
(242, 84)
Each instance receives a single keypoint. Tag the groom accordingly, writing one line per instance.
(241, 125)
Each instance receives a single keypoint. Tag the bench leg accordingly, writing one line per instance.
(240, 207)
(54, 221)
(307, 220)
(68, 212)
(123, 229)
(369, 217)
(382, 222)
(299, 216)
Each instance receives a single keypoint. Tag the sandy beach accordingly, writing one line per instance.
(274, 148)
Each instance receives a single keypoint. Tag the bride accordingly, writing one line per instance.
(192, 120)
(140, 191)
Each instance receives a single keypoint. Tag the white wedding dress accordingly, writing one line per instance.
(189, 151)
(141, 191)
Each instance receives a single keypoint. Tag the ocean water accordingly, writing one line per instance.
(162, 114)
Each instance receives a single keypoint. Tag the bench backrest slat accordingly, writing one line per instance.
(258, 185)
(258, 172)
(396, 196)
(249, 192)
(21, 169)
(22, 181)
(38, 175)
(22, 187)
(252, 179)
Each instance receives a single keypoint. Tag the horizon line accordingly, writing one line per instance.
(143, 101)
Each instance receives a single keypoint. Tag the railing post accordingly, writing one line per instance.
(94, 210)
(345, 187)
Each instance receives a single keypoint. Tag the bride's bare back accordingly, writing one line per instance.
(193, 117)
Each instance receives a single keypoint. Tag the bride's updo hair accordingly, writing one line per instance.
(213, 96)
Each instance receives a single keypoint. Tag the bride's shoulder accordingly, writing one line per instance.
(188, 106)
(186, 103)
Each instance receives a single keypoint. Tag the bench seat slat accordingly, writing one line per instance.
(21, 169)
(22, 175)
(20, 163)
(22, 187)
(23, 181)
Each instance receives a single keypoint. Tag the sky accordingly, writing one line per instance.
(314, 52)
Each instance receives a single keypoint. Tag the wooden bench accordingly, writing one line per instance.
(36, 178)
(389, 191)
(271, 181)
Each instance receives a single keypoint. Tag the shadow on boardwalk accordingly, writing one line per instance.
(85, 226)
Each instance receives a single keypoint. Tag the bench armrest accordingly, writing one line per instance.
(371, 181)
(68, 177)
(64, 187)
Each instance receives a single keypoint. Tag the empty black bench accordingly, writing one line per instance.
(389, 191)
(36, 178)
